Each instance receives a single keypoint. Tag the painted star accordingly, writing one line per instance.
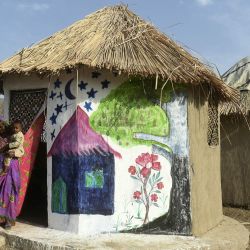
(95, 74)
(52, 135)
(57, 84)
(53, 119)
(92, 93)
(105, 84)
(87, 106)
(60, 95)
(52, 95)
(58, 109)
(66, 105)
(82, 85)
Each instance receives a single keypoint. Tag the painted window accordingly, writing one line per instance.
(94, 179)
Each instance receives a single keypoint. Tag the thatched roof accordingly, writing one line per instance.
(115, 38)
(238, 77)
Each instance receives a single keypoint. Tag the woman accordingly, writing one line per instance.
(9, 183)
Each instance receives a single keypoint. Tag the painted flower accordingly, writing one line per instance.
(145, 172)
(156, 166)
(137, 195)
(160, 185)
(132, 170)
(154, 197)
(147, 160)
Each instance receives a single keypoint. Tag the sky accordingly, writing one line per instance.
(215, 30)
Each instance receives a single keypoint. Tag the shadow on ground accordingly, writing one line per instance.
(241, 215)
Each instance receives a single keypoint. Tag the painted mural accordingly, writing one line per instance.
(83, 169)
(117, 154)
(129, 110)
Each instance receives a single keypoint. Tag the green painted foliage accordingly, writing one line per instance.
(94, 179)
(129, 109)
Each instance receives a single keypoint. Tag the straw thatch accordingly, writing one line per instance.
(228, 108)
(115, 38)
(238, 77)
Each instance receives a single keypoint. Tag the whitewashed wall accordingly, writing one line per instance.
(125, 186)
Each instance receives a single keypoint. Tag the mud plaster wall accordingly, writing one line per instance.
(235, 161)
(206, 203)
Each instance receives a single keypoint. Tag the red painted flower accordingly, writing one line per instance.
(160, 185)
(145, 172)
(156, 166)
(132, 170)
(143, 159)
(137, 195)
(148, 161)
(154, 197)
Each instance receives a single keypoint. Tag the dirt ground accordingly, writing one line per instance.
(241, 215)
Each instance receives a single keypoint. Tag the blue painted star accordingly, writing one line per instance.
(58, 109)
(82, 85)
(66, 105)
(92, 93)
(52, 135)
(60, 95)
(53, 119)
(95, 74)
(105, 84)
(87, 106)
(52, 95)
(57, 84)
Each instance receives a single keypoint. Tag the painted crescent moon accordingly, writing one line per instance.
(68, 92)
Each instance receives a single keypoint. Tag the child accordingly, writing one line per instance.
(15, 146)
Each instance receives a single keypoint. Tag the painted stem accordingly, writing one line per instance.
(146, 198)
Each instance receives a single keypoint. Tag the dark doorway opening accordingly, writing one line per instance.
(34, 210)
(24, 106)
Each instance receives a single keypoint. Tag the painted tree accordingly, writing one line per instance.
(130, 109)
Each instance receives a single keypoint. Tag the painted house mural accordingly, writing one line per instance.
(81, 155)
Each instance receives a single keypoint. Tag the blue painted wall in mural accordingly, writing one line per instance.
(90, 184)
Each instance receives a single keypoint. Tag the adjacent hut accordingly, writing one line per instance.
(117, 84)
(235, 139)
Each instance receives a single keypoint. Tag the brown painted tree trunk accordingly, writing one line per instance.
(146, 199)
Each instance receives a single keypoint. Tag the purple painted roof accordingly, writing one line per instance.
(77, 137)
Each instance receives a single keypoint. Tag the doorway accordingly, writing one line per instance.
(24, 106)
(34, 208)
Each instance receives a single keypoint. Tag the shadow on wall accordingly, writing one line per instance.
(1, 106)
(235, 158)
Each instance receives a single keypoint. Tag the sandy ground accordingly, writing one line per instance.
(241, 215)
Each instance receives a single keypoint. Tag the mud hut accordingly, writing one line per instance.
(149, 100)
(235, 139)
